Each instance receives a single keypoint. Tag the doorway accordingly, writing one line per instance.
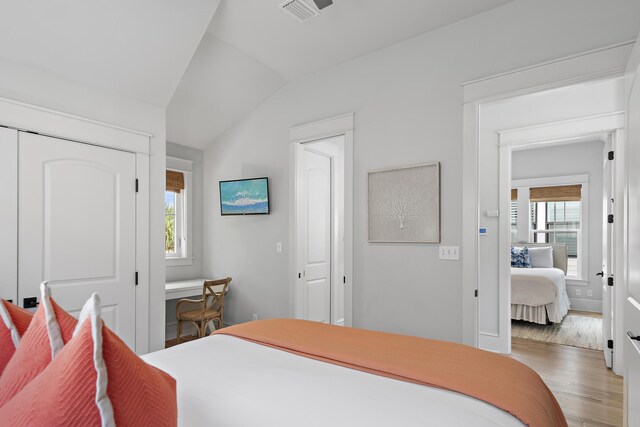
(560, 198)
(560, 203)
(322, 230)
(321, 216)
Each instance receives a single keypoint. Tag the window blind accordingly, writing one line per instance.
(175, 181)
(514, 194)
(562, 193)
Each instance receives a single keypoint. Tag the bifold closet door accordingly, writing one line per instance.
(77, 213)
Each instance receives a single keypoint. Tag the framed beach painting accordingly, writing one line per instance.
(244, 197)
(404, 204)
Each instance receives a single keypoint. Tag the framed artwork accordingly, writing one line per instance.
(404, 204)
(244, 197)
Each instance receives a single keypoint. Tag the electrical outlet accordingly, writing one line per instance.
(578, 292)
(255, 316)
(451, 253)
(589, 293)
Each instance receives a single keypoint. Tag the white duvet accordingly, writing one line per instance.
(538, 293)
(228, 382)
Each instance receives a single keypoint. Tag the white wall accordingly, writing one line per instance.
(193, 271)
(33, 87)
(407, 101)
(573, 159)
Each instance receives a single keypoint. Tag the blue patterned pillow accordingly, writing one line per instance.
(520, 257)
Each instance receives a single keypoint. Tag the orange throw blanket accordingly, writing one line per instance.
(493, 378)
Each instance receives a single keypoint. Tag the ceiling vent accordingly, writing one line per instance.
(300, 10)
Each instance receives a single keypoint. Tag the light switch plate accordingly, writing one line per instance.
(279, 247)
(450, 253)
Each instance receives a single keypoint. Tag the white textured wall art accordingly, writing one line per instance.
(404, 204)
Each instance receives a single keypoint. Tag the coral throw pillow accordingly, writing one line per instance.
(14, 321)
(96, 380)
(49, 329)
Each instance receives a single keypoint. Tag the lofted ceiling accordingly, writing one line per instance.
(252, 49)
(139, 49)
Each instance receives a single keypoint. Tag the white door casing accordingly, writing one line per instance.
(9, 214)
(632, 304)
(341, 126)
(315, 199)
(77, 227)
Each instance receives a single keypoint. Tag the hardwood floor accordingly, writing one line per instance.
(590, 394)
(185, 338)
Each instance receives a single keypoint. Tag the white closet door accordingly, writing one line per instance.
(77, 209)
(317, 263)
(9, 214)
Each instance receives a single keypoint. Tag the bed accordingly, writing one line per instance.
(539, 295)
(234, 379)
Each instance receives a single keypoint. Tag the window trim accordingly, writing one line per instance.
(184, 219)
(523, 186)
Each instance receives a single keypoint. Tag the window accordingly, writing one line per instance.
(559, 222)
(177, 214)
(514, 221)
(173, 237)
(557, 214)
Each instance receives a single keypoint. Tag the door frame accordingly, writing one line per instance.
(315, 131)
(539, 136)
(31, 118)
(593, 65)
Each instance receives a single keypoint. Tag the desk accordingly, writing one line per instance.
(186, 288)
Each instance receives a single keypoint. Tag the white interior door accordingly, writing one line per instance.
(608, 256)
(77, 213)
(632, 303)
(316, 218)
(9, 214)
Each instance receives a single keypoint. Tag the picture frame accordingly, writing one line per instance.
(404, 204)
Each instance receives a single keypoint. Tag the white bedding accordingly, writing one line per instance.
(537, 293)
(228, 382)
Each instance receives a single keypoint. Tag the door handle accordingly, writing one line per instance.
(633, 337)
(601, 274)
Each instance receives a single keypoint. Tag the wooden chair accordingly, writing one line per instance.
(211, 308)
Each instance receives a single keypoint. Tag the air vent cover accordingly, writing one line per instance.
(300, 10)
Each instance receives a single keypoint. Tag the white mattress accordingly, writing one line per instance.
(228, 382)
(537, 293)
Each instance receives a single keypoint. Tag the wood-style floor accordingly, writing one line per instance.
(590, 394)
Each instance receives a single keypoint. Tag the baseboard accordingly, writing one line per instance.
(586, 305)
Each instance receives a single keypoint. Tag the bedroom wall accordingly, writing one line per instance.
(34, 87)
(573, 159)
(193, 271)
(407, 103)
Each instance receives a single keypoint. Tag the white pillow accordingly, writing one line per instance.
(541, 257)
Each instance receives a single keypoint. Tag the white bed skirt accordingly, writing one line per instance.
(538, 314)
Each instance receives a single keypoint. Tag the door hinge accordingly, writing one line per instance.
(610, 281)
(610, 155)
(610, 344)
(344, 279)
(137, 185)
(476, 293)
(299, 275)
(610, 219)
(136, 278)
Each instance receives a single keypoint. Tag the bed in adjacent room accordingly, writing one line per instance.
(284, 373)
(538, 287)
